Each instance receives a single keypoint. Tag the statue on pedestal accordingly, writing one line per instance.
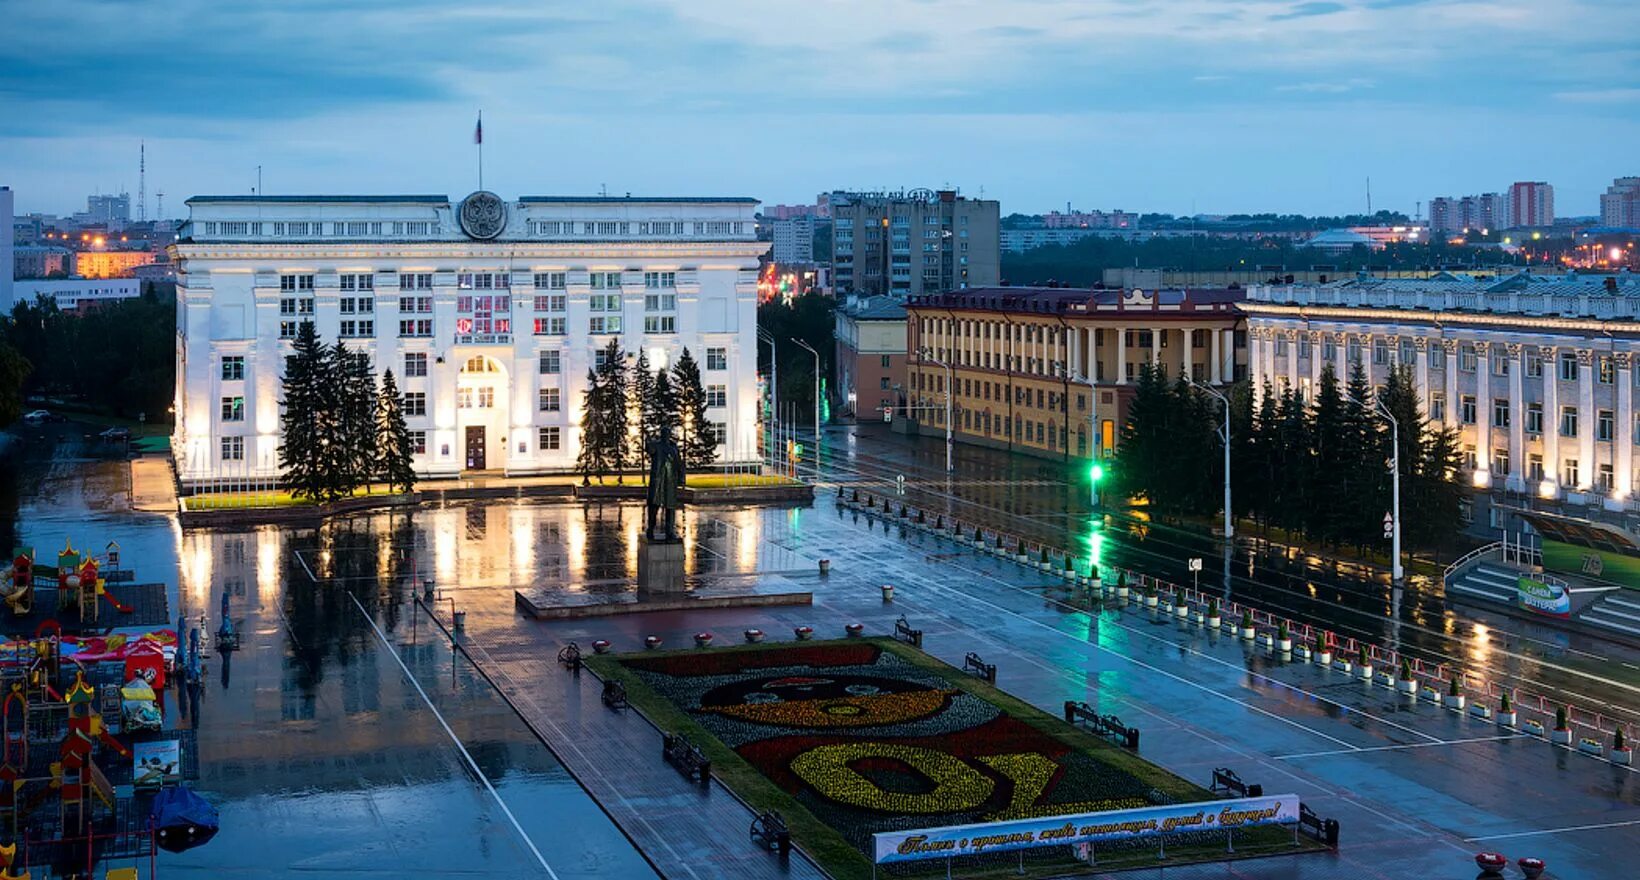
(665, 479)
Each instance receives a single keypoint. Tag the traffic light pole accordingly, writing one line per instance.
(1224, 434)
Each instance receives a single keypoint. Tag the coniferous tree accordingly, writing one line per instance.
(617, 451)
(1267, 453)
(356, 456)
(1366, 496)
(699, 444)
(1141, 458)
(593, 459)
(304, 413)
(1293, 443)
(641, 387)
(1328, 520)
(393, 449)
(664, 397)
(1249, 493)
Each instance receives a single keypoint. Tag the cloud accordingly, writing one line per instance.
(1599, 96)
(1309, 10)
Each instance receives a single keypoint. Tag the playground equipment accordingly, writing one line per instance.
(19, 591)
(139, 708)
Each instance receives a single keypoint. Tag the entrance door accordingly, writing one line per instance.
(475, 448)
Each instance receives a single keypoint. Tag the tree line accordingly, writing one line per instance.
(628, 403)
(339, 431)
(118, 358)
(1318, 467)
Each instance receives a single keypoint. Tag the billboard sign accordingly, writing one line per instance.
(893, 847)
(1541, 597)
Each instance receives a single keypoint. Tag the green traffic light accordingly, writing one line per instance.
(1096, 473)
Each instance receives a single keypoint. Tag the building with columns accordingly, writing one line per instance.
(489, 312)
(1051, 371)
(1536, 372)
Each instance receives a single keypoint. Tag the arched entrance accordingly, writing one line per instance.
(483, 397)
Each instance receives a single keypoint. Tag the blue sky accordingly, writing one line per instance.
(1169, 105)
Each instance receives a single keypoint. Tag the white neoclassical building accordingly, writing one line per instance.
(489, 313)
(1537, 372)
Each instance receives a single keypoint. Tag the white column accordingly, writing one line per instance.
(1483, 414)
(1156, 346)
(1073, 343)
(1623, 433)
(1585, 418)
(1121, 355)
(1517, 418)
(1227, 353)
(1216, 369)
(1315, 360)
(1449, 355)
(1420, 371)
(1292, 358)
(1187, 366)
(1551, 414)
(1342, 353)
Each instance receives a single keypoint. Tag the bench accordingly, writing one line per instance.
(689, 760)
(570, 656)
(904, 632)
(770, 832)
(1108, 726)
(614, 695)
(1324, 830)
(1225, 779)
(973, 663)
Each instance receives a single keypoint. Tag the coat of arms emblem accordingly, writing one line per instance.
(482, 215)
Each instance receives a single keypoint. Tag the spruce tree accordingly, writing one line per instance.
(354, 462)
(617, 444)
(593, 459)
(1141, 458)
(699, 444)
(393, 450)
(302, 416)
(641, 385)
(664, 398)
(1366, 491)
(1327, 520)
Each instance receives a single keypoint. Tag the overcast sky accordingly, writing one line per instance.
(1155, 105)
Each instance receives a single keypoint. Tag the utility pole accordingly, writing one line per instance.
(1393, 525)
(774, 379)
(808, 348)
(1224, 434)
(950, 442)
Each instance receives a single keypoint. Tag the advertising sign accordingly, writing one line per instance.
(1082, 828)
(1550, 600)
(156, 763)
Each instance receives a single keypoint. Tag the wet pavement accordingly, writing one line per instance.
(329, 757)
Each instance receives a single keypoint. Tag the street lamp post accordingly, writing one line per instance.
(1095, 470)
(950, 457)
(1224, 434)
(806, 347)
(1395, 571)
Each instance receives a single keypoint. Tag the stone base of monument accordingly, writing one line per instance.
(662, 585)
(660, 567)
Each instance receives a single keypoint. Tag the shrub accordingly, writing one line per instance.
(1560, 717)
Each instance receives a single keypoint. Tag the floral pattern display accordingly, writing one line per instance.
(870, 742)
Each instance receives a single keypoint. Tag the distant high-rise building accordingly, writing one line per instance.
(115, 211)
(914, 242)
(1620, 204)
(1530, 204)
(1480, 212)
(793, 240)
(5, 247)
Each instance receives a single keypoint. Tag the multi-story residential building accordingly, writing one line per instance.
(1051, 371)
(1537, 373)
(111, 211)
(1020, 240)
(1620, 204)
(1117, 219)
(1482, 212)
(1530, 204)
(793, 240)
(41, 261)
(490, 313)
(96, 263)
(870, 355)
(75, 294)
(914, 242)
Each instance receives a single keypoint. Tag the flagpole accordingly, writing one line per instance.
(479, 136)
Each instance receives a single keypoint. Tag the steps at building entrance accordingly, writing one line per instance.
(1485, 580)
(1618, 610)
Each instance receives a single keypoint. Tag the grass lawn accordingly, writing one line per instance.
(735, 481)
(844, 860)
(275, 498)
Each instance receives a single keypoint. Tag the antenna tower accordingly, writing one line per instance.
(142, 182)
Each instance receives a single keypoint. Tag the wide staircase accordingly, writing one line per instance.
(1618, 610)
(1485, 579)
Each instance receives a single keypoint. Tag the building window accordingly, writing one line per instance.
(415, 403)
(415, 327)
(415, 364)
(1500, 361)
(418, 442)
(233, 448)
(717, 395)
(1329, 350)
(1604, 425)
(882, 383)
(605, 280)
(483, 280)
(233, 409)
(1500, 412)
(550, 362)
(416, 281)
(1534, 363)
(1534, 418)
(1534, 467)
(1500, 461)
(660, 324)
(717, 359)
(884, 361)
(660, 280)
(415, 305)
(549, 327)
(553, 302)
(1380, 351)
(1437, 355)
(660, 302)
(1466, 409)
(1469, 460)
(352, 329)
(1603, 477)
(604, 324)
(1408, 353)
(1568, 366)
(1568, 421)
(550, 281)
(1466, 358)
(550, 438)
(1437, 406)
(1605, 369)
(295, 282)
(549, 400)
(233, 368)
(356, 282)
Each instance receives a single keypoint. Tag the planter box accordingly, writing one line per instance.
(1535, 728)
(803, 633)
(1561, 736)
(1408, 686)
(1386, 680)
(854, 630)
(1214, 622)
(651, 642)
(1121, 592)
(703, 640)
(1284, 645)
(1590, 747)
(1021, 557)
(1343, 665)
(1196, 617)
(1484, 713)
(1323, 658)
(1365, 672)
(1506, 719)
(600, 646)
(1624, 756)
(1181, 611)
(888, 592)
(1302, 653)
(1430, 694)
(1247, 633)
(1265, 640)
(1150, 601)
(753, 636)
(1453, 702)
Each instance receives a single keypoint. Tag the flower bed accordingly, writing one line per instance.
(865, 735)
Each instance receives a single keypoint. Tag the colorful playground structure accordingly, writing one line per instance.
(79, 583)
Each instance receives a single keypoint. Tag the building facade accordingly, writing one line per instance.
(1051, 371)
(1478, 213)
(489, 312)
(1537, 373)
(793, 240)
(914, 242)
(870, 355)
(1620, 204)
(1530, 204)
(7, 246)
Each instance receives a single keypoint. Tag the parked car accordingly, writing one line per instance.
(37, 417)
(116, 435)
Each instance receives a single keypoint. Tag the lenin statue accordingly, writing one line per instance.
(665, 478)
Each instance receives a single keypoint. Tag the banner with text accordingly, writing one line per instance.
(1111, 825)
(1550, 600)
